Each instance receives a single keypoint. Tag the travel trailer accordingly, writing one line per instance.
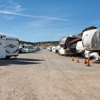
(9, 47)
(49, 48)
(91, 42)
(79, 47)
(64, 41)
(57, 48)
(2, 46)
(62, 51)
(12, 47)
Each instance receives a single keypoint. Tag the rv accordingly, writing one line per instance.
(76, 47)
(91, 42)
(57, 48)
(2, 46)
(9, 47)
(79, 47)
(64, 44)
(12, 47)
(53, 48)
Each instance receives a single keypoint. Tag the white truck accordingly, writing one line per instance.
(26, 48)
(9, 47)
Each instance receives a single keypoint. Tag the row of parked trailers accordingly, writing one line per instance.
(87, 45)
(9, 46)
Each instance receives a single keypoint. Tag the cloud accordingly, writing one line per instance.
(11, 7)
(15, 9)
(7, 12)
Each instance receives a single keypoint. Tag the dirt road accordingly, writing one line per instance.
(47, 76)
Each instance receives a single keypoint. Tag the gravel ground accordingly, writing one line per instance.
(45, 75)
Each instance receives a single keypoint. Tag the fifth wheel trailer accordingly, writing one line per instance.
(64, 44)
(91, 41)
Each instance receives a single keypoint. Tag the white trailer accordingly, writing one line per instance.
(91, 39)
(53, 49)
(2, 46)
(62, 51)
(79, 47)
(12, 47)
(91, 43)
(8, 47)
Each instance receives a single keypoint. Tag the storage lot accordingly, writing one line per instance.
(45, 75)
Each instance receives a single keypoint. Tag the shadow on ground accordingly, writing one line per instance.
(96, 62)
(19, 61)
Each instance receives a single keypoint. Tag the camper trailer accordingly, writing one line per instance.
(64, 44)
(91, 41)
(12, 47)
(2, 46)
(57, 48)
(63, 51)
(79, 47)
(53, 48)
(8, 46)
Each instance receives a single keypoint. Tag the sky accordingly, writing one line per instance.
(47, 20)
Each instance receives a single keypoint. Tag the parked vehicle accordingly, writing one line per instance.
(27, 48)
(91, 39)
(8, 46)
(62, 51)
(12, 47)
(64, 44)
(57, 48)
(79, 47)
(76, 47)
(91, 42)
(2, 46)
(49, 48)
(53, 48)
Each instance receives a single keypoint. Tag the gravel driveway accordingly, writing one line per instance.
(45, 75)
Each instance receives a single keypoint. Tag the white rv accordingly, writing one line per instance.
(91, 39)
(62, 51)
(91, 42)
(53, 48)
(79, 47)
(8, 46)
(12, 47)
